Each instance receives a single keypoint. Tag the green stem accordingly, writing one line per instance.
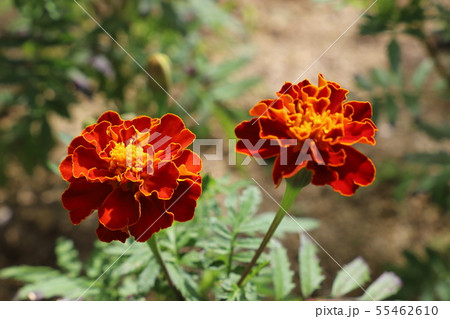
(230, 255)
(153, 244)
(293, 187)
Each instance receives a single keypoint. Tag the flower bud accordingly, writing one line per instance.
(160, 69)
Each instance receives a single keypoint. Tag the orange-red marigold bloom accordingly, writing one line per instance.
(137, 173)
(321, 116)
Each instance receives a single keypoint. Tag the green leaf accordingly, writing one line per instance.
(227, 289)
(363, 82)
(311, 275)
(183, 281)
(354, 275)
(249, 201)
(128, 288)
(243, 256)
(412, 102)
(434, 131)
(248, 243)
(29, 273)
(227, 68)
(394, 54)
(233, 89)
(64, 287)
(261, 222)
(391, 108)
(220, 229)
(67, 256)
(131, 264)
(380, 77)
(193, 258)
(147, 277)
(225, 118)
(243, 208)
(281, 273)
(429, 158)
(421, 73)
(386, 285)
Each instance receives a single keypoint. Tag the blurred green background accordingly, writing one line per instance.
(59, 70)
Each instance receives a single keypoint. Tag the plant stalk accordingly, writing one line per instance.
(153, 244)
(293, 187)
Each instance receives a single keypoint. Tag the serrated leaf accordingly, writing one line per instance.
(29, 273)
(311, 275)
(391, 108)
(243, 256)
(421, 73)
(363, 82)
(227, 68)
(248, 243)
(147, 277)
(227, 289)
(249, 201)
(233, 89)
(183, 281)
(192, 258)
(261, 222)
(281, 273)
(429, 158)
(354, 275)
(380, 77)
(412, 102)
(386, 285)
(64, 287)
(394, 54)
(67, 257)
(245, 207)
(221, 230)
(437, 132)
(131, 264)
(128, 288)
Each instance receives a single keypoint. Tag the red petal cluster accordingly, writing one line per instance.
(137, 174)
(317, 115)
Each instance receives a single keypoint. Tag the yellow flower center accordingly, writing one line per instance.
(311, 124)
(127, 157)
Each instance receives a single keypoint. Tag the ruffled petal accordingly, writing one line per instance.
(250, 143)
(357, 171)
(287, 165)
(98, 136)
(153, 218)
(171, 130)
(141, 123)
(111, 117)
(184, 200)
(82, 198)
(65, 168)
(337, 97)
(107, 235)
(357, 132)
(189, 165)
(274, 129)
(86, 159)
(119, 210)
(78, 141)
(357, 110)
(163, 181)
(322, 175)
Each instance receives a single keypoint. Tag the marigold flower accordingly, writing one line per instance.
(320, 118)
(137, 173)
